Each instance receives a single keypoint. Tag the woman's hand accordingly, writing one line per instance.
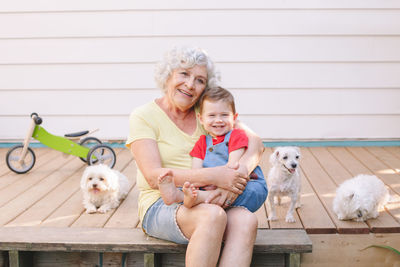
(221, 197)
(233, 178)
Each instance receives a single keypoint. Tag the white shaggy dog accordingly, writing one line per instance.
(103, 188)
(284, 180)
(360, 198)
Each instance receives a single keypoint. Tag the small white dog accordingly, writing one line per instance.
(103, 188)
(360, 198)
(284, 180)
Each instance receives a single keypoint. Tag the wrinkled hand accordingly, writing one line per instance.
(236, 178)
(221, 197)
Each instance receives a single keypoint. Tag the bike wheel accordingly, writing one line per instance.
(101, 154)
(13, 156)
(89, 142)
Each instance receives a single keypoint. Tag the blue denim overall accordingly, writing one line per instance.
(256, 190)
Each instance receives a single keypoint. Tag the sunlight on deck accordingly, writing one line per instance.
(388, 171)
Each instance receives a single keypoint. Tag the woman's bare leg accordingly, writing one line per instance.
(240, 235)
(204, 225)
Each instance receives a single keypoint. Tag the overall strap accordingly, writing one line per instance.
(209, 141)
(227, 136)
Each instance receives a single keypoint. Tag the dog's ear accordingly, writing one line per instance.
(274, 156)
(113, 180)
(298, 151)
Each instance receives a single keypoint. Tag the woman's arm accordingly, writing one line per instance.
(197, 163)
(148, 160)
(235, 156)
(252, 156)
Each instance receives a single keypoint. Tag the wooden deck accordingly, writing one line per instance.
(49, 194)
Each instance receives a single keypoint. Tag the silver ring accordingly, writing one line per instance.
(228, 202)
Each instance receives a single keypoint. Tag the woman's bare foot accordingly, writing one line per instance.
(189, 195)
(169, 193)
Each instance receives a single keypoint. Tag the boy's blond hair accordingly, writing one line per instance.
(215, 94)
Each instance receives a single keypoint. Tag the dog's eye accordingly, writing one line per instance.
(285, 157)
(297, 157)
(90, 178)
(101, 179)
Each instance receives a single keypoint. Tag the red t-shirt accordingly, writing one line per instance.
(238, 140)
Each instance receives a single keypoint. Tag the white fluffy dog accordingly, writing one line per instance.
(103, 188)
(360, 198)
(284, 180)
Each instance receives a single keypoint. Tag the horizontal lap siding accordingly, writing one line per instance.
(226, 49)
(217, 23)
(78, 5)
(320, 70)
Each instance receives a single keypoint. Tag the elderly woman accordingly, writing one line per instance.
(162, 133)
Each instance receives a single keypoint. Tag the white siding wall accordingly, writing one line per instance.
(313, 69)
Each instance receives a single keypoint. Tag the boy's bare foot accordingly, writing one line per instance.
(189, 195)
(169, 193)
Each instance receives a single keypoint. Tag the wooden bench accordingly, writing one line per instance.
(272, 247)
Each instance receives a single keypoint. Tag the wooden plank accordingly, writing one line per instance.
(124, 240)
(347, 250)
(392, 163)
(394, 150)
(281, 209)
(26, 181)
(355, 167)
(264, 161)
(67, 213)
(37, 213)
(8, 177)
(3, 152)
(100, 219)
(67, 259)
(5, 171)
(24, 201)
(385, 223)
(312, 213)
(20, 258)
(126, 215)
(325, 188)
(4, 258)
(378, 168)
(262, 218)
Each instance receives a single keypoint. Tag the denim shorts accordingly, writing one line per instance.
(254, 195)
(160, 221)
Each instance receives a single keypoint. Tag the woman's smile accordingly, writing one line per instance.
(184, 86)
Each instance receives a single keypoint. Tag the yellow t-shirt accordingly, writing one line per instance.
(151, 122)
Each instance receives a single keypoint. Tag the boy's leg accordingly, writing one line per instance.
(169, 192)
(193, 196)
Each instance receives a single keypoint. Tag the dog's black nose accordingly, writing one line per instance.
(294, 165)
(94, 185)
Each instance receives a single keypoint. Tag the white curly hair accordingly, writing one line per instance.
(185, 57)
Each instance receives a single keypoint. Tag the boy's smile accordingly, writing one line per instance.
(217, 117)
